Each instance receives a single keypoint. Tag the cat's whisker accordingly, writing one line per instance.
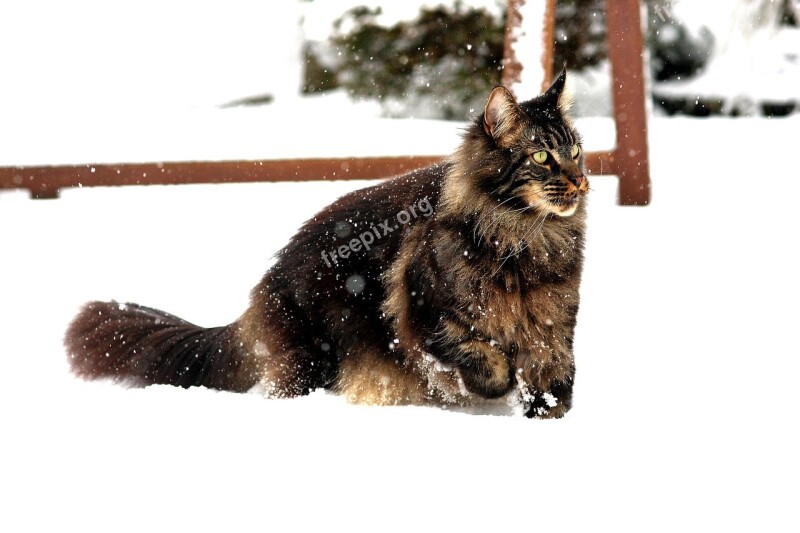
(500, 216)
(490, 224)
(524, 242)
(478, 223)
(536, 230)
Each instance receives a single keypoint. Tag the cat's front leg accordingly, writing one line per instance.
(484, 368)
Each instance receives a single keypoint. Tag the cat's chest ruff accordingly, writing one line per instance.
(508, 317)
(528, 304)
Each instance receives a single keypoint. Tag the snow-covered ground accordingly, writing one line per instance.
(686, 403)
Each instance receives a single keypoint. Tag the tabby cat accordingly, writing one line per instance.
(455, 284)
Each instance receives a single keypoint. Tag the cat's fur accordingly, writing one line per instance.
(471, 296)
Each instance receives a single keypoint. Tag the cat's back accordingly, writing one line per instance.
(387, 199)
(366, 225)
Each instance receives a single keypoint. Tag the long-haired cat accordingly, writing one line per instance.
(455, 284)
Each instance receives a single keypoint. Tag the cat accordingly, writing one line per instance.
(453, 285)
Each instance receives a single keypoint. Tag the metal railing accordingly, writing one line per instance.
(628, 160)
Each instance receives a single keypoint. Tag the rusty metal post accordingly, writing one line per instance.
(625, 50)
(548, 36)
(511, 65)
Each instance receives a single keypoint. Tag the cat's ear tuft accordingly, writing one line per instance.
(502, 115)
(560, 93)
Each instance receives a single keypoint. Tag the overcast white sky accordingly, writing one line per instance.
(144, 53)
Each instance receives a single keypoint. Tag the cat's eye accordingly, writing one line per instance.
(540, 156)
(575, 151)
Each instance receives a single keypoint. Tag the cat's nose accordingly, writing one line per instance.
(576, 180)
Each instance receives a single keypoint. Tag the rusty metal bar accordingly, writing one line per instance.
(599, 162)
(46, 181)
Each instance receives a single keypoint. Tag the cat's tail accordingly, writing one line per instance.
(143, 346)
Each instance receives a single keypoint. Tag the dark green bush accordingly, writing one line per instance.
(443, 63)
(446, 59)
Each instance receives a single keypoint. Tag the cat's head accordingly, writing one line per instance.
(536, 156)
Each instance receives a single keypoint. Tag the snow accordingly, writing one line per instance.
(592, 88)
(765, 69)
(212, 134)
(528, 48)
(754, 59)
(685, 404)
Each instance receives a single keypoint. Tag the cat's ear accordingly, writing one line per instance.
(501, 118)
(559, 94)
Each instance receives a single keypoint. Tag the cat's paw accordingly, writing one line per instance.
(545, 405)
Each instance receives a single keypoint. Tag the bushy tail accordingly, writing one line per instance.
(144, 346)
